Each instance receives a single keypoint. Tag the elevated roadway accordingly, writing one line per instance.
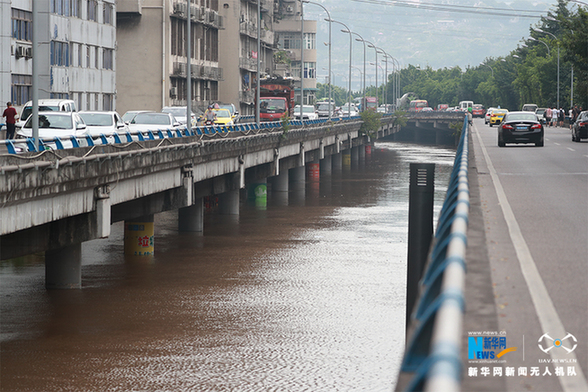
(528, 263)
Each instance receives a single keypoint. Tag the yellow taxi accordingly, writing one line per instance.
(223, 117)
(497, 116)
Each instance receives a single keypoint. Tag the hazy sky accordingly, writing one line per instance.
(432, 32)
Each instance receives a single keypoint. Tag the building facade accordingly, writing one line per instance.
(289, 41)
(152, 62)
(76, 52)
(239, 52)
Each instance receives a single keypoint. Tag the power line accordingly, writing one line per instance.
(455, 8)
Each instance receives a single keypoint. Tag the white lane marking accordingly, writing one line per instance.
(557, 144)
(571, 149)
(546, 312)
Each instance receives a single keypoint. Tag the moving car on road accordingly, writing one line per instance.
(487, 115)
(179, 113)
(497, 116)
(478, 110)
(520, 127)
(580, 127)
(308, 112)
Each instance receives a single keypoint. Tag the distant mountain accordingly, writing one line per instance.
(438, 33)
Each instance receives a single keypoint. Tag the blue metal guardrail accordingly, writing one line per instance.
(433, 351)
(14, 145)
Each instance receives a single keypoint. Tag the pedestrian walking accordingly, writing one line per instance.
(11, 117)
(562, 115)
(547, 117)
(554, 117)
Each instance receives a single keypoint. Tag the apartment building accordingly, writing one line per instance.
(239, 52)
(287, 29)
(76, 53)
(152, 62)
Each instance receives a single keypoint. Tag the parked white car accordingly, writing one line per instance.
(308, 112)
(103, 123)
(45, 105)
(55, 124)
(179, 112)
(153, 121)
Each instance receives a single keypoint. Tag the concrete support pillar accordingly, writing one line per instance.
(355, 156)
(438, 137)
(337, 162)
(313, 173)
(368, 150)
(63, 268)
(257, 192)
(326, 165)
(191, 219)
(361, 152)
(228, 203)
(346, 159)
(297, 185)
(297, 176)
(279, 183)
(139, 236)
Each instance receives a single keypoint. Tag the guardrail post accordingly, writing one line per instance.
(420, 228)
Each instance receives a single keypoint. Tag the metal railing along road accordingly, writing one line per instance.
(433, 353)
(15, 146)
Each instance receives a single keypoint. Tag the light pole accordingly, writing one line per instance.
(360, 74)
(486, 65)
(257, 92)
(302, 44)
(377, 94)
(350, 57)
(538, 40)
(363, 78)
(329, 20)
(546, 32)
(375, 50)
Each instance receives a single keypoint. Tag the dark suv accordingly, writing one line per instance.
(580, 127)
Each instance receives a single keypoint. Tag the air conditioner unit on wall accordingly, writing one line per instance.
(29, 53)
(289, 9)
(173, 92)
(20, 52)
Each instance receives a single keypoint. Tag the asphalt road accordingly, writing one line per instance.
(533, 204)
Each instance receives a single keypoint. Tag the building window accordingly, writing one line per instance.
(21, 89)
(108, 8)
(96, 57)
(309, 70)
(92, 9)
(76, 8)
(61, 7)
(309, 40)
(289, 41)
(107, 102)
(107, 58)
(59, 53)
(22, 23)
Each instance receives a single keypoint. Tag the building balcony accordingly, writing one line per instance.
(247, 97)
(198, 71)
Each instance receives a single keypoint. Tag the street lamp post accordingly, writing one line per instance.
(363, 78)
(538, 40)
(486, 65)
(350, 57)
(546, 32)
(302, 44)
(375, 50)
(329, 20)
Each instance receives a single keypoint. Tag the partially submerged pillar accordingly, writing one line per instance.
(228, 202)
(191, 219)
(139, 236)
(63, 267)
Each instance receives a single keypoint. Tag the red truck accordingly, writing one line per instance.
(276, 97)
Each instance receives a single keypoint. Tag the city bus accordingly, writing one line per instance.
(417, 105)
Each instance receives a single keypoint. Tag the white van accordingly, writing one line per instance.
(464, 105)
(46, 105)
(529, 107)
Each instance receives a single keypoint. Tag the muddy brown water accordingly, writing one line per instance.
(304, 294)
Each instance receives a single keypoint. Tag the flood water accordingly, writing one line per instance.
(302, 295)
